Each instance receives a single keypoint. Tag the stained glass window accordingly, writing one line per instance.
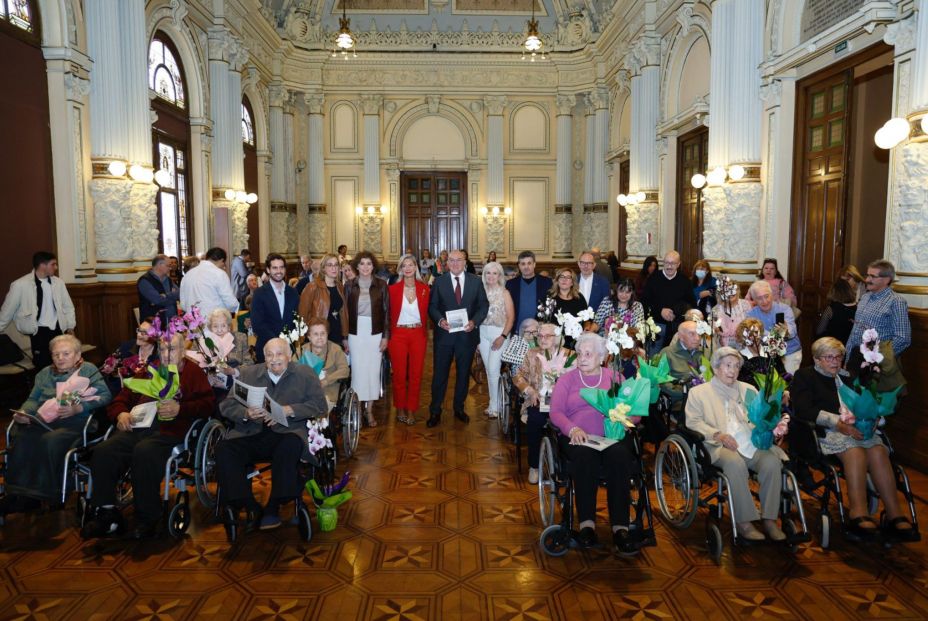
(248, 128)
(172, 200)
(164, 74)
(17, 12)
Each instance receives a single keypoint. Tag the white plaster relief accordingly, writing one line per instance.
(910, 204)
(731, 221)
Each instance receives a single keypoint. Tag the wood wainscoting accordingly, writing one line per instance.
(105, 315)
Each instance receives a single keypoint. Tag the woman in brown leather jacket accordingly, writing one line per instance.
(368, 305)
(324, 297)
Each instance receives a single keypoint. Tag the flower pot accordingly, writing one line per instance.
(328, 518)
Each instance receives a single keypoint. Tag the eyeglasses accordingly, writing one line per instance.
(831, 357)
(586, 263)
(543, 335)
(869, 275)
(565, 277)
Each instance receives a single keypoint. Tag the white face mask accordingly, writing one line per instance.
(700, 274)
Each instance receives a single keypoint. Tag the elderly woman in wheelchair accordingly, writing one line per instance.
(48, 424)
(717, 411)
(817, 406)
(577, 420)
(145, 449)
(256, 437)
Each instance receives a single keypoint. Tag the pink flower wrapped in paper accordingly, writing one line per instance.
(620, 405)
(212, 350)
(863, 405)
(73, 391)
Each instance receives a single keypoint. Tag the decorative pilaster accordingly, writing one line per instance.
(563, 205)
(642, 237)
(736, 116)
(278, 206)
(495, 106)
(600, 100)
(133, 62)
(589, 167)
(370, 106)
(317, 214)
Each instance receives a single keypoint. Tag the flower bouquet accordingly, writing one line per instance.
(701, 373)
(865, 404)
(764, 409)
(315, 435)
(162, 385)
(618, 404)
(327, 499)
(552, 368)
(648, 331)
(73, 391)
(704, 330)
(122, 368)
(546, 310)
(727, 289)
(293, 334)
(656, 374)
(573, 325)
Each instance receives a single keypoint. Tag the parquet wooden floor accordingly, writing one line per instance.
(442, 526)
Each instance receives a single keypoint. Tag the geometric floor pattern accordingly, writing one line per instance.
(442, 526)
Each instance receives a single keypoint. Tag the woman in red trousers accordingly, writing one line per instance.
(409, 302)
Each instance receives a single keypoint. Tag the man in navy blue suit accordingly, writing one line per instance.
(594, 287)
(527, 290)
(454, 290)
(272, 305)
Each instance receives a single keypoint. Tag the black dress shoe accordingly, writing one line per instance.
(145, 530)
(587, 537)
(461, 416)
(433, 420)
(625, 543)
(253, 521)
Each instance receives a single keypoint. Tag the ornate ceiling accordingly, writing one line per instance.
(440, 25)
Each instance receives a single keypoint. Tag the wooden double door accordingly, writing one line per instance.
(693, 157)
(434, 208)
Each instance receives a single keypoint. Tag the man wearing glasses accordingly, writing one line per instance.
(667, 296)
(883, 309)
(593, 286)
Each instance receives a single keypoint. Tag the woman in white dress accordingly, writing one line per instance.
(495, 329)
(368, 330)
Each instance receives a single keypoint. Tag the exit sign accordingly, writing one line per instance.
(841, 47)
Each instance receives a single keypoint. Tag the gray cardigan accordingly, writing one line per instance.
(298, 387)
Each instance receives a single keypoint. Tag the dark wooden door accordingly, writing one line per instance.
(434, 207)
(692, 158)
(624, 172)
(819, 203)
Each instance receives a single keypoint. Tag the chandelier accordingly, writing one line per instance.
(344, 41)
(532, 45)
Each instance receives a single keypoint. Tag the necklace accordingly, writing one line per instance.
(596, 383)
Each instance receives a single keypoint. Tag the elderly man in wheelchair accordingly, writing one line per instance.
(145, 449)
(49, 423)
(717, 411)
(577, 420)
(256, 435)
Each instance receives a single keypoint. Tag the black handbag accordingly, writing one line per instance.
(10, 353)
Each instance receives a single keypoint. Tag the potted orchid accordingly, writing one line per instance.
(648, 331)
(862, 404)
(327, 500)
(294, 334)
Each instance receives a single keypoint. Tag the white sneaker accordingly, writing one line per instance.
(533, 476)
(492, 414)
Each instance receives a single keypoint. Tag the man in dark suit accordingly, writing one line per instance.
(593, 286)
(272, 305)
(527, 290)
(455, 290)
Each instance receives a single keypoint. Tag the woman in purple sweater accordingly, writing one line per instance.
(576, 420)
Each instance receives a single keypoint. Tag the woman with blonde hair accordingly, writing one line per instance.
(409, 303)
(495, 329)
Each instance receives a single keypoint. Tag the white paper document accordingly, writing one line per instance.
(457, 320)
(598, 442)
(143, 415)
(249, 396)
(275, 411)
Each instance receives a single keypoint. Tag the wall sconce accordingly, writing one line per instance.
(632, 198)
(716, 176)
(117, 168)
(239, 196)
(371, 212)
(893, 132)
(141, 174)
(495, 215)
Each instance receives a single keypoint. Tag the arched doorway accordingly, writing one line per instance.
(250, 151)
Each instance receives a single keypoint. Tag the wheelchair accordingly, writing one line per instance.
(345, 418)
(824, 482)
(503, 394)
(556, 493)
(76, 473)
(682, 467)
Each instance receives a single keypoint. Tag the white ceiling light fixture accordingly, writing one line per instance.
(533, 44)
(344, 40)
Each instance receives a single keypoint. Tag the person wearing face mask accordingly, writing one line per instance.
(667, 296)
(704, 287)
(255, 437)
(35, 461)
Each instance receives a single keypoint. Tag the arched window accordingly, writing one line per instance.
(170, 143)
(18, 13)
(164, 73)
(250, 153)
(248, 127)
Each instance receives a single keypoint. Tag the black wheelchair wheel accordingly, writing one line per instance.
(304, 524)
(676, 482)
(178, 520)
(547, 482)
(502, 400)
(351, 424)
(555, 540)
(825, 530)
(714, 543)
(230, 522)
(204, 465)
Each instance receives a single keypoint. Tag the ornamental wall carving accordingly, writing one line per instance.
(731, 221)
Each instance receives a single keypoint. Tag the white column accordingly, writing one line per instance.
(318, 212)
(643, 237)
(589, 166)
(278, 203)
(495, 179)
(563, 204)
(289, 167)
(735, 136)
(919, 94)
(370, 106)
(239, 212)
(134, 65)
(596, 215)
(107, 116)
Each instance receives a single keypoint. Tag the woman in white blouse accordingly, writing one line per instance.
(409, 302)
(495, 329)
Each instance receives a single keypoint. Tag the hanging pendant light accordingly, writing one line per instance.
(344, 40)
(533, 44)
